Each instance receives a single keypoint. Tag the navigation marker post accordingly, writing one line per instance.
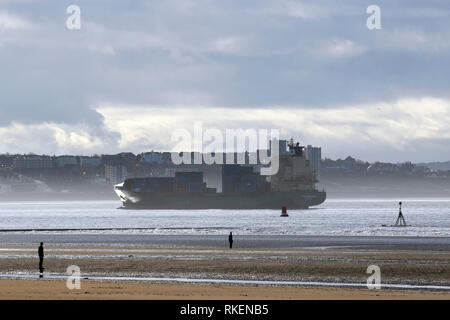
(400, 219)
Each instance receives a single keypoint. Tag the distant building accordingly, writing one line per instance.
(90, 162)
(6, 160)
(63, 161)
(124, 158)
(32, 162)
(115, 174)
(152, 157)
(314, 155)
(167, 157)
(383, 168)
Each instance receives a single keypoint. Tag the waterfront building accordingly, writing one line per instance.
(314, 155)
(32, 162)
(63, 161)
(116, 173)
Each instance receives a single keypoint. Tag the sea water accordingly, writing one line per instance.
(430, 217)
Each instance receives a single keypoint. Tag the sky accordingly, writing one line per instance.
(137, 70)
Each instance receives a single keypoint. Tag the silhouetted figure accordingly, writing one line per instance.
(41, 260)
(230, 240)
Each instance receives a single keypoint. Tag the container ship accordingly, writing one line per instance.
(243, 187)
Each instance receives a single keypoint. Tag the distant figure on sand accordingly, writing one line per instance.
(230, 240)
(41, 260)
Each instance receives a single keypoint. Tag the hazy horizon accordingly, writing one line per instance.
(140, 152)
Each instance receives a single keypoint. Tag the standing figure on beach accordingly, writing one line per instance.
(230, 240)
(41, 260)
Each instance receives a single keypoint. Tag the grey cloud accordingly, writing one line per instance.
(217, 53)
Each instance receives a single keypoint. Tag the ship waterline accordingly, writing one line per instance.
(250, 200)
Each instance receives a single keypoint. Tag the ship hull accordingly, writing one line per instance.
(256, 200)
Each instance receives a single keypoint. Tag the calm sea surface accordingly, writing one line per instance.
(334, 217)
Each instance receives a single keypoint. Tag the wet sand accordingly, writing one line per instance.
(332, 259)
(335, 265)
(94, 290)
(344, 265)
(148, 239)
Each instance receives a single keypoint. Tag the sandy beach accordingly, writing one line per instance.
(95, 290)
(18, 269)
